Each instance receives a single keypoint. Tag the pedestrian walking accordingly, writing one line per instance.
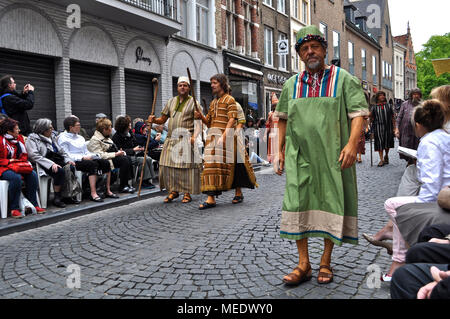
(320, 199)
(383, 124)
(405, 124)
(230, 167)
(180, 162)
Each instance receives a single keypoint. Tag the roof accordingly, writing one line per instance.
(362, 6)
(402, 39)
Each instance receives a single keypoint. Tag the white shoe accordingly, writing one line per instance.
(386, 277)
(266, 163)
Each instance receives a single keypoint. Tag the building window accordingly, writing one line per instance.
(184, 17)
(281, 6)
(202, 21)
(268, 46)
(295, 9)
(324, 29)
(268, 2)
(351, 57)
(336, 45)
(305, 13)
(364, 64)
(387, 35)
(282, 59)
(231, 31)
(374, 69)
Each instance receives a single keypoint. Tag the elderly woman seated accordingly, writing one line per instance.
(102, 144)
(44, 150)
(14, 166)
(75, 147)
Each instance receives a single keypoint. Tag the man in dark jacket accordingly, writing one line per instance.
(16, 105)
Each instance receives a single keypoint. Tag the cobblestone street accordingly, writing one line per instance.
(153, 250)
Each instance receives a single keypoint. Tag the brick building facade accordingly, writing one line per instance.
(410, 60)
(240, 26)
(275, 26)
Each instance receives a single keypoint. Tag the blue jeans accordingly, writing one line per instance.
(15, 187)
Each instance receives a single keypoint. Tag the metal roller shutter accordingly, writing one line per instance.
(138, 94)
(90, 92)
(39, 72)
(206, 93)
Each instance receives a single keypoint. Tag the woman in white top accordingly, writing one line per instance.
(75, 146)
(433, 167)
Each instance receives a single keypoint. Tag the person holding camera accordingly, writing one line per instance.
(15, 104)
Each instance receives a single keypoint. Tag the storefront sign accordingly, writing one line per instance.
(140, 56)
(277, 79)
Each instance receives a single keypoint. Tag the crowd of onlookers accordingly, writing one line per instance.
(102, 153)
(419, 215)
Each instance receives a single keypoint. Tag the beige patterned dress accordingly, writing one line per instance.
(180, 163)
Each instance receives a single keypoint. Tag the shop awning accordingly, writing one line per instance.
(245, 69)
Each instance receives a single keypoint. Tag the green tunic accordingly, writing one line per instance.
(320, 199)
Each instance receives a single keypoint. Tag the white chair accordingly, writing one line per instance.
(4, 185)
(4, 198)
(44, 182)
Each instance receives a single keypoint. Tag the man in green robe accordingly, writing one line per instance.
(321, 116)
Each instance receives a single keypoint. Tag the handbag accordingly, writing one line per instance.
(71, 186)
(21, 167)
(55, 158)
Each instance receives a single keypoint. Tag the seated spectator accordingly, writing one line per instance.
(137, 119)
(141, 133)
(75, 147)
(433, 165)
(159, 129)
(426, 274)
(43, 149)
(102, 144)
(127, 142)
(14, 166)
(442, 93)
(15, 104)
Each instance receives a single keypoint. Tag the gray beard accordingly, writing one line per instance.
(313, 66)
(415, 102)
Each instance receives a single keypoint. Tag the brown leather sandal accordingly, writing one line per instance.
(325, 274)
(171, 197)
(186, 199)
(295, 280)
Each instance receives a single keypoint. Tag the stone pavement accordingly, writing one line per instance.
(148, 249)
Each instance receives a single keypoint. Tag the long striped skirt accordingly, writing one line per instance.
(182, 180)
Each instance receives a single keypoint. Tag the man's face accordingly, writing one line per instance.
(183, 88)
(313, 54)
(12, 85)
(416, 96)
(75, 129)
(215, 86)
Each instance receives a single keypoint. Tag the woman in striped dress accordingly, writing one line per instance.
(383, 124)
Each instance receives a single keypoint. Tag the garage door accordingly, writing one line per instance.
(138, 94)
(90, 92)
(39, 72)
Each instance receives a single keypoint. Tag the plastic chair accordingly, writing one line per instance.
(4, 198)
(44, 184)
